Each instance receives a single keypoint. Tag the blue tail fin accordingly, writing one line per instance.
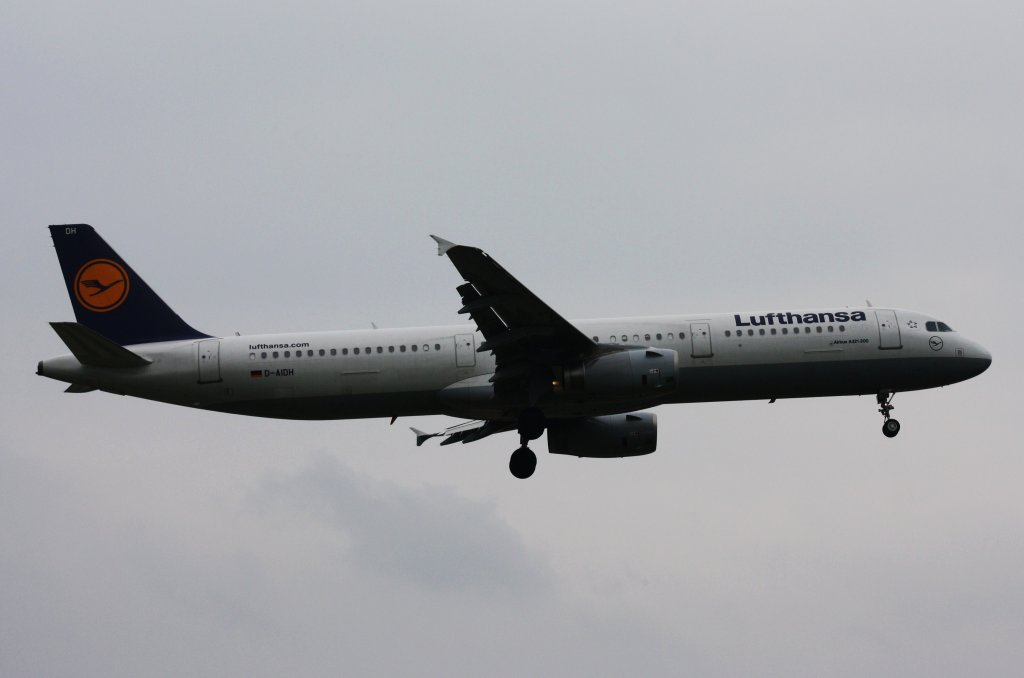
(108, 296)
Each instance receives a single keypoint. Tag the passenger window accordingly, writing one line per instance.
(437, 347)
(682, 335)
(774, 331)
(658, 336)
(275, 354)
(334, 351)
(842, 328)
(426, 347)
(321, 353)
(761, 331)
(750, 333)
(831, 329)
(380, 349)
(785, 330)
(287, 354)
(612, 339)
(625, 338)
(413, 348)
(670, 335)
(728, 333)
(368, 350)
(930, 326)
(298, 354)
(309, 353)
(391, 349)
(818, 329)
(263, 355)
(355, 351)
(647, 337)
(807, 330)
(636, 338)
(401, 349)
(252, 356)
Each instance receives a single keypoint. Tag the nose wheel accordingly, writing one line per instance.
(531, 426)
(890, 427)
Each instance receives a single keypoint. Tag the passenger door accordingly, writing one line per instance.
(888, 330)
(209, 361)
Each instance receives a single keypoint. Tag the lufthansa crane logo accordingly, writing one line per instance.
(101, 285)
(935, 343)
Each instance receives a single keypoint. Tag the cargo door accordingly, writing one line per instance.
(209, 361)
(888, 330)
(465, 350)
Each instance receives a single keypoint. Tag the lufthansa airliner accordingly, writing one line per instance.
(517, 366)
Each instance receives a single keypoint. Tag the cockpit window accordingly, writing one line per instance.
(936, 326)
(931, 326)
(943, 327)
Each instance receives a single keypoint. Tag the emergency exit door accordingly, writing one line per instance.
(700, 340)
(465, 350)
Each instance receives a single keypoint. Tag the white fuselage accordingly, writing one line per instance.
(437, 370)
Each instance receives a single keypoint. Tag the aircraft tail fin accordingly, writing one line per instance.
(109, 298)
(92, 348)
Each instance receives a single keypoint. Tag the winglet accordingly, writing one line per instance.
(442, 245)
(422, 437)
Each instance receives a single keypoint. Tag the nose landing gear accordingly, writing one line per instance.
(890, 427)
(531, 426)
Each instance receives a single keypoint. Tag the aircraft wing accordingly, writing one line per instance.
(521, 330)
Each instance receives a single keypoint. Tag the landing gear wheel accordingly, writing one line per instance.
(523, 463)
(890, 428)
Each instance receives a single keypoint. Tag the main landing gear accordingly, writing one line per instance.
(890, 427)
(531, 426)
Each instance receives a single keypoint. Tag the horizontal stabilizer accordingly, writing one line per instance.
(92, 348)
(78, 388)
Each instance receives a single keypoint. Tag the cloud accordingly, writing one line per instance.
(427, 536)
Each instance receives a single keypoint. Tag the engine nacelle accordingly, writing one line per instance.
(637, 372)
(615, 435)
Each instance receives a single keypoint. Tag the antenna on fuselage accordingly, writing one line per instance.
(868, 301)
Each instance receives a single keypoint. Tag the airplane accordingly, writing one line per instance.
(520, 366)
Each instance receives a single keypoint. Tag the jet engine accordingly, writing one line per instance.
(636, 372)
(616, 435)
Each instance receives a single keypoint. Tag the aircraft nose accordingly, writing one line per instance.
(981, 359)
(985, 357)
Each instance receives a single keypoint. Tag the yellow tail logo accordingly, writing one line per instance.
(101, 285)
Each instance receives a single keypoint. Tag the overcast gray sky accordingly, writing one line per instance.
(270, 168)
